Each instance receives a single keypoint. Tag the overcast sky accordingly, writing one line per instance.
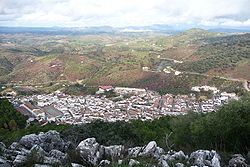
(118, 13)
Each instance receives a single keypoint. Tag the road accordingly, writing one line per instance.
(244, 82)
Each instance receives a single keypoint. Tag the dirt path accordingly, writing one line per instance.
(245, 84)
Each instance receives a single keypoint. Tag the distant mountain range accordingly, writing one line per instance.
(157, 28)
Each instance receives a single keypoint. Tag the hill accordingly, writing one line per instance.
(228, 56)
(41, 59)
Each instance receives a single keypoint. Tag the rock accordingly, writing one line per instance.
(237, 161)
(133, 162)
(58, 155)
(29, 141)
(2, 160)
(163, 163)
(48, 141)
(15, 146)
(52, 161)
(179, 165)
(104, 163)
(51, 140)
(6, 164)
(114, 151)
(120, 162)
(177, 156)
(36, 154)
(2, 147)
(215, 161)
(76, 165)
(17, 149)
(159, 150)
(202, 158)
(20, 160)
(41, 165)
(90, 151)
(134, 152)
(149, 149)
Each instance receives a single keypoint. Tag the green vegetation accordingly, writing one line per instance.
(79, 89)
(10, 119)
(219, 53)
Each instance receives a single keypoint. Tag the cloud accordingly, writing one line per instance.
(229, 13)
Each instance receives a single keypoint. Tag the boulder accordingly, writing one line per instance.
(2, 147)
(36, 154)
(58, 155)
(3, 160)
(104, 163)
(237, 161)
(52, 161)
(134, 152)
(6, 164)
(51, 140)
(114, 151)
(120, 161)
(177, 156)
(163, 163)
(48, 141)
(179, 165)
(149, 149)
(215, 161)
(41, 165)
(17, 149)
(76, 165)
(202, 158)
(133, 162)
(29, 141)
(90, 151)
(20, 160)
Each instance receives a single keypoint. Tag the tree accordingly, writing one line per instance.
(13, 125)
(10, 118)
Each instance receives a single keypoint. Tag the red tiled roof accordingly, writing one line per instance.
(106, 87)
(24, 111)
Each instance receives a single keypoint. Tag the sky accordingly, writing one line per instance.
(121, 13)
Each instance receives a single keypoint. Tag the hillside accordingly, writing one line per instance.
(118, 59)
(228, 56)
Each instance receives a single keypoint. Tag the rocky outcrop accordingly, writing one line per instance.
(202, 158)
(48, 141)
(237, 161)
(133, 162)
(49, 149)
(90, 151)
(43, 149)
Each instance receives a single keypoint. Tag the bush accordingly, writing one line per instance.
(226, 130)
(10, 119)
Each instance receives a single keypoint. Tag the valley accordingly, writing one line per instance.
(199, 57)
